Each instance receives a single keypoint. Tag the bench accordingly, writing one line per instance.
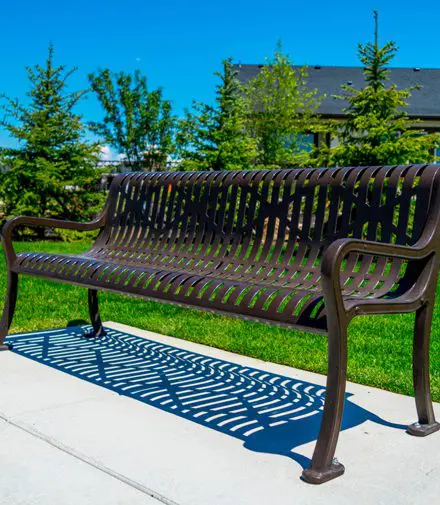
(302, 248)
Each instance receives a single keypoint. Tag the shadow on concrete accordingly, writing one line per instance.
(270, 413)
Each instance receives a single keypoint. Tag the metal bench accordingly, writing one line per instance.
(304, 248)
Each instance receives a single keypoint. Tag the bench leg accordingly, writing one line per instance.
(422, 331)
(98, 329)
(324, 466)
(8, 309)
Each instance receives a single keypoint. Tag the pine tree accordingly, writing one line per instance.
(282, 112)
(215, 137)
(378, 130)
(138, 123)
(52, 171)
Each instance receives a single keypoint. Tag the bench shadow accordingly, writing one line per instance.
(270, 413)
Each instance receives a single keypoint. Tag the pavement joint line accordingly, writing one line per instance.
(87, 460)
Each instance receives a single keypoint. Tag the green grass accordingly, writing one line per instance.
(379, 346)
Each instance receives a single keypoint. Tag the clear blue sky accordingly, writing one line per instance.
(179, 44)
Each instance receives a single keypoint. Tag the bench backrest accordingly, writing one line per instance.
(270, 207)
(277, 222)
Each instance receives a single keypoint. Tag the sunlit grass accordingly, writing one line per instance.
(379, 346)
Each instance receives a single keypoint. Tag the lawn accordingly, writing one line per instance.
(379, 347)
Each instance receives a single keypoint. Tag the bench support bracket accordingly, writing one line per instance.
(422, 331)
(8, 309)
(324, 465)
(98, 329)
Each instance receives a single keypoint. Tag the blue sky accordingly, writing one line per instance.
(179, 45)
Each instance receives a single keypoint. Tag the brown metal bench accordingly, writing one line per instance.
(305, 248)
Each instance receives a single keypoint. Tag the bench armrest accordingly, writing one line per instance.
(337, 251)
(43, 222)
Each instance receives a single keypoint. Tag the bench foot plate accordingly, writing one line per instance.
(5, 347)
(320, 476)
(422, 430)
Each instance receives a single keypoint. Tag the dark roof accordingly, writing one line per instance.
(424, 103)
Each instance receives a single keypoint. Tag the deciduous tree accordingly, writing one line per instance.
(282, 112)
(137, 122)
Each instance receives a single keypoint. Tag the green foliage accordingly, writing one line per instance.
(215, 137)
(281, 112)
(378, 130)
(52, 171)
(137, 122)
(76, 236)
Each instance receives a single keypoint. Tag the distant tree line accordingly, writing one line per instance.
(266, 123)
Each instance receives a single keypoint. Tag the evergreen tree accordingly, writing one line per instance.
(52, 171)
(215, 137)
(282, 112)
(138, 123)
(378, 130)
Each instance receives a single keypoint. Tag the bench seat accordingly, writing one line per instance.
(294, 298)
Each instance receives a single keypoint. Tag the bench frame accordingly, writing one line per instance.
(420, 299)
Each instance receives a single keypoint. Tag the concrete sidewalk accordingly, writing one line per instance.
(64, 440)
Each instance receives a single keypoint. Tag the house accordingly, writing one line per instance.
(424, 104)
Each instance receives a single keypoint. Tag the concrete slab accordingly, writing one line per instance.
(34, 472)
(195, 425)
(26, 386)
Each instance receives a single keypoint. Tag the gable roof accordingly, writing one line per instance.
(424, 103)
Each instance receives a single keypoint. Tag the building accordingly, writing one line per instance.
(424, 104)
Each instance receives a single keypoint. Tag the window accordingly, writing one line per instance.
(303, 141)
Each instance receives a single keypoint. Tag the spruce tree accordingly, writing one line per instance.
(378, 130)
(214, 137)
(51, 172)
